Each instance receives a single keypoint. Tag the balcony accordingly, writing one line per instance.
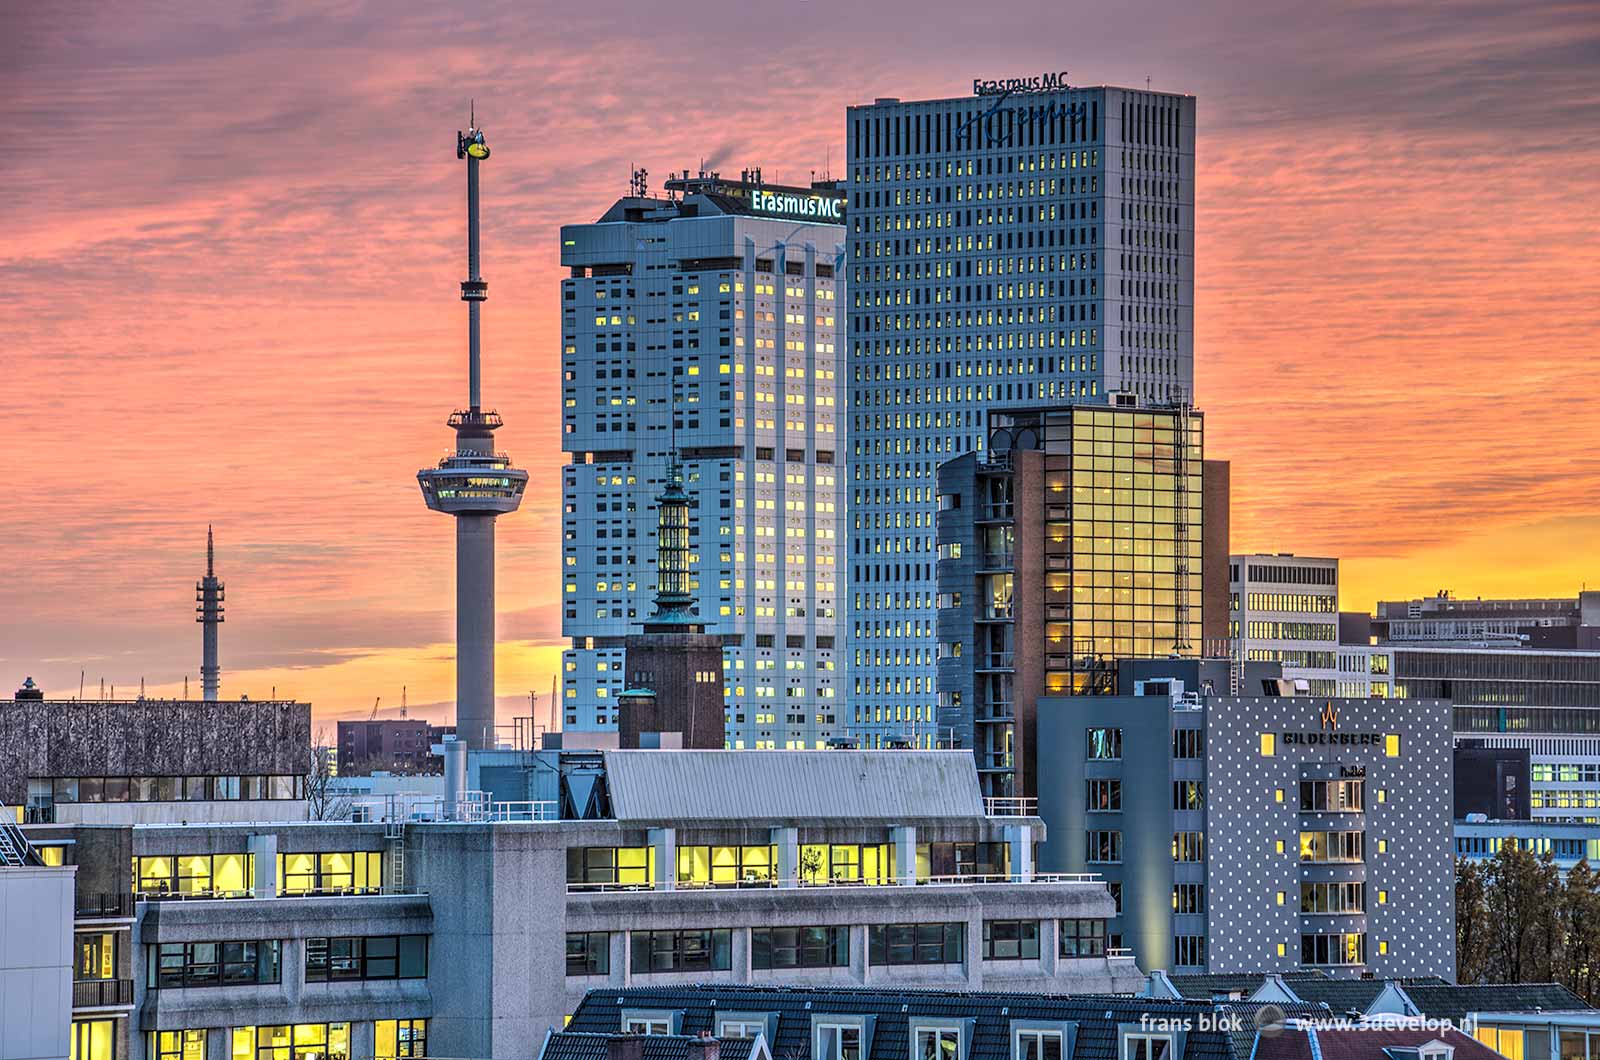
(1011, 806)
(103, 906)
(102, 993)
(996, 660)
(998, 559)
(1005, 806)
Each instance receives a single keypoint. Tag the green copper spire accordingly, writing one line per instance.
(673, 599)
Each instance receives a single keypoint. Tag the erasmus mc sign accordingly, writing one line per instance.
(821, 207)
(1010, 86)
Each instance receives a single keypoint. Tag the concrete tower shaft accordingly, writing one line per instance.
(209, 594)
(475, 484)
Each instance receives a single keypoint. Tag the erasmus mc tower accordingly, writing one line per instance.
(1007, 249)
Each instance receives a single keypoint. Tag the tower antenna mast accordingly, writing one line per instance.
(474, 483)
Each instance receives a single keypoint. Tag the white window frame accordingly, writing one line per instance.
(821, 1024)
(1040, 1033)
(1129, 1039)
(939, 1028)
(758, 1027)
(647, 1025)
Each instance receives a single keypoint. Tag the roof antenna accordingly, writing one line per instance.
(472, 113)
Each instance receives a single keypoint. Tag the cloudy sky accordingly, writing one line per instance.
(230, 237)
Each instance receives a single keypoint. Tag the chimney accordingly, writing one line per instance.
(625, 1047)
(705, 1047)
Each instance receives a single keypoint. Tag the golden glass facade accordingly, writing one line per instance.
(1122, 539)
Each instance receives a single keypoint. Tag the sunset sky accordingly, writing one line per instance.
(230, 238)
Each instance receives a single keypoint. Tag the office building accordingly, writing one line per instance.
(389, 745)
(1443, 620)
(1074, 539)
(1257, 833)
(472, 927)
(148, 760)
(1285, 609)
(703, 322)
(1006, 251)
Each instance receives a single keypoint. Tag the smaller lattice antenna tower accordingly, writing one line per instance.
(209, 594)
(639, 183)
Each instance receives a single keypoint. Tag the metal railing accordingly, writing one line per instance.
(102, 993)
(952, 880)
(225, 896)
(101, 905)
(1011, 806)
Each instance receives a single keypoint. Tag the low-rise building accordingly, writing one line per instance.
(1257, 832)
(150, 760)
(469, 928)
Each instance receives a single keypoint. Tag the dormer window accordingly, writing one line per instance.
(936, 1043)
(837, 1041)
(1147, 1047)
(1436, 1050)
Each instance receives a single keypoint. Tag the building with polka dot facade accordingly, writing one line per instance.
(1251, 833)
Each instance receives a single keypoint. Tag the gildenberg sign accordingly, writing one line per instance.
(1010, 85)
(1330, 734)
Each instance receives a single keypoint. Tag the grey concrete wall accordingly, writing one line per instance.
(1409, 839)
(293, 1000)
(71, 738)
(36, 958)
(1145, 821)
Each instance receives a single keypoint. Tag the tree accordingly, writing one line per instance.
(1580, 920)
(325, 800)
(1521, 901)
(1472, 927)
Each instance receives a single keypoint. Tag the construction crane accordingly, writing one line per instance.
(402, 702)
(374, 715)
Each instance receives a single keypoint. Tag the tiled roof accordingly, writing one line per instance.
(573, 1045)
(1097, 1016)
(1253, 1015)
(1372, 1043)
(1445, 1002)
(1205, 987)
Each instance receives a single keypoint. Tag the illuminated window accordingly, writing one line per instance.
(1391, 745)
(1269, 744)
(177, 1045)
(93, 1040)
(400, 1038)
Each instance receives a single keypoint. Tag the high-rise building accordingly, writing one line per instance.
(1074, 539)
(702, 322)
(475, 484)
(1007, 249)
(1285, 609)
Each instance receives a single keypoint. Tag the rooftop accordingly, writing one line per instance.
(687, 786)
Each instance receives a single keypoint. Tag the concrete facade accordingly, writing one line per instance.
(504, 897)
(36, 962)
(175, 740)
(1218, 865)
